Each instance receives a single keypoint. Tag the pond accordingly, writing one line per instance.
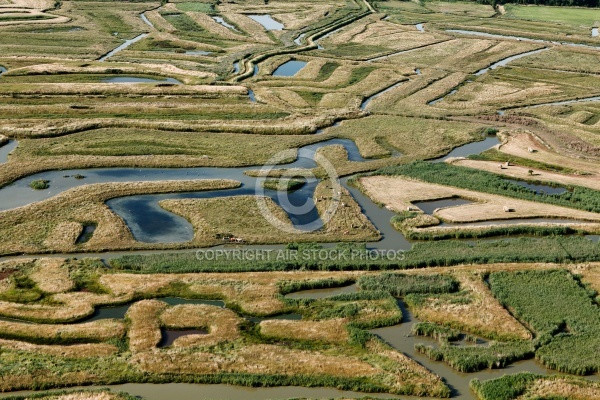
(267, 21)
(170, 335)
(429, 206)
(539, 188)
(198, 52)
(595, 32)
(2, 70)
(420, 27)
(289, 68)
(222, 21)
(133, 79)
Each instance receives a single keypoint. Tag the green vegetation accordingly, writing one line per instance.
(495, 155)
(399, 285)
(561, 312)
(572, 16)
(39, 184)
(431, 254)
(477, 358)
(327, 70)
(508, 387)
(438, 332)
(206, 8)
(577, 197)
(287, 185)
(358, 74)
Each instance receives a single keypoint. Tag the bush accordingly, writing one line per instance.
(39, 184)
(399, 285)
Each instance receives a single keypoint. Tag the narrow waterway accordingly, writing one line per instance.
(520, 38)
(368, 100)
(506, 61)
(7, 149)
(123, 46)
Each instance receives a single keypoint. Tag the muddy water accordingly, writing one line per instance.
(289, 68)
(170, 335)
(471, 148)
(123, 46)
(7, 149)
(366, 101)
(267, 22)
(118, 312)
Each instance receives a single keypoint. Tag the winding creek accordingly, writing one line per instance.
(150, 223)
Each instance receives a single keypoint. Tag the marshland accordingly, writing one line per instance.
(309, 199)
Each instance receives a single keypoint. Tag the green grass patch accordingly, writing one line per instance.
(39, 184)
(286, 185)
(565, 15)
(561, 312)
(429, 254)
(399, 285)
(327, 70)
(206, 8)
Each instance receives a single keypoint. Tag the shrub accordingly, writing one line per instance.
(39, 184)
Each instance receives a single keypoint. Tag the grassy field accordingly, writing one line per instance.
(570, 16)
(371, 76)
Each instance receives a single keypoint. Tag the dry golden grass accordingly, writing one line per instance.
(212, 216)
(483, 315)
(255, 293)
(39, 222)
(144, 325)
(515, 171)
(63, 236)
(67, 307)
(254, 359)
(71, 351)
(222, 324)
(562, 388)
(80, 395)
(518, 143)
(330, 331)
(397, 193)
(51, 275)
(406, 372)
(96, 331)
